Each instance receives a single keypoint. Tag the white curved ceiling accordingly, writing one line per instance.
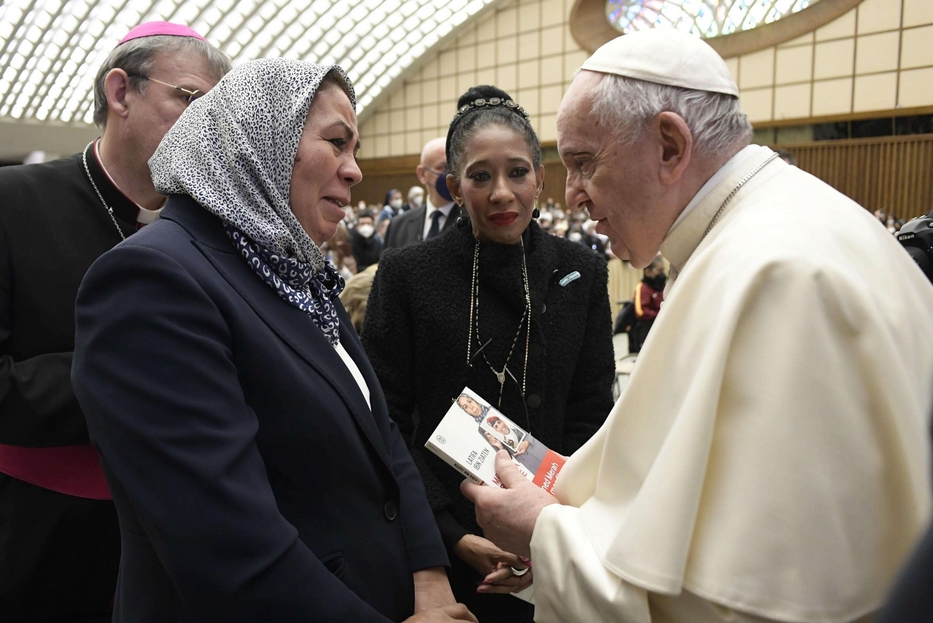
(51, 49)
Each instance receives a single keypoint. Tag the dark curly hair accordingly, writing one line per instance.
(466, 125)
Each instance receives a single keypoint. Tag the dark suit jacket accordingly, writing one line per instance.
(409, 227)
(251, 480)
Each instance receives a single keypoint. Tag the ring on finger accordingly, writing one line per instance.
(519, 572)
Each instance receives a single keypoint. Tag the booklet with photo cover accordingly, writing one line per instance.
(473, 431)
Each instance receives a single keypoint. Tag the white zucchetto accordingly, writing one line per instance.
(664, 56)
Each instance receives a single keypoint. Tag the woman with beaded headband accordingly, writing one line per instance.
(496, 304)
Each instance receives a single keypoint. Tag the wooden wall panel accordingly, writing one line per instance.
(373, 188)
(382, 174)
(555, 182)
(892, 173)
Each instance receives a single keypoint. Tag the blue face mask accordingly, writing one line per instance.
(441, 184)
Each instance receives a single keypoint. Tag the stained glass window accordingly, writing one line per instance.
(706, 18)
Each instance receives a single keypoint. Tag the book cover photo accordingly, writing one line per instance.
(471, 433)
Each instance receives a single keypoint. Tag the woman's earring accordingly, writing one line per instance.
(460, 220)
(536, 212)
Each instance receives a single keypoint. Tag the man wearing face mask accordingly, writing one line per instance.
(438, 213)
(365, 242)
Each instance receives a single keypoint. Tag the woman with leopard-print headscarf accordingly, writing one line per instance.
(255, 470)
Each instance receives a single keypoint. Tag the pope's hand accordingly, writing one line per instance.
(507, 516)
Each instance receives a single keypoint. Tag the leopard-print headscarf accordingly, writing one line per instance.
(233, 151)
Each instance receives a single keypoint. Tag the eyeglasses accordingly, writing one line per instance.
(190, 95)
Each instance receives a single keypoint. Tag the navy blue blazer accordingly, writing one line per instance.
(251, 480)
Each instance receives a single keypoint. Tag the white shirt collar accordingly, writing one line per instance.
(446, 208)
(429, 213)
(144, 216)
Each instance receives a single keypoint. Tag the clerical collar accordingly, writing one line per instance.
(711, 183)
(141, 216)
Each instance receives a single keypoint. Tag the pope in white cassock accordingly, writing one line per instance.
(769, 459)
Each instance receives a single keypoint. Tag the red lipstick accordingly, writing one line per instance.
(503, 219)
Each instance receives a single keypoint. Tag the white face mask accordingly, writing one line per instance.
(416, 201)
(575, 236)
(396, 204)
(365, 230)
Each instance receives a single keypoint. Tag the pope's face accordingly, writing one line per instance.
(614, 182)
(470, 406)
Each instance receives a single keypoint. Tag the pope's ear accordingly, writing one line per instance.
(676, 142)
(116, 87)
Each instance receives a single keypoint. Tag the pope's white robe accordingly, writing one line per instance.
(769, 458)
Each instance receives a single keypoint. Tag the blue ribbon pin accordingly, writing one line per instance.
(568, 278)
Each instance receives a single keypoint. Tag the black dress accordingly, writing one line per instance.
(416, 332)
(58, 553)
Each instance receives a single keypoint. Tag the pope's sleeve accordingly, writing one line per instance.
(155, 374)
(571, 582)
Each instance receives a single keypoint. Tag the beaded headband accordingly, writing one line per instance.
(492, 101)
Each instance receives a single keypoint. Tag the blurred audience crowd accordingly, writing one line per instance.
(361, 238)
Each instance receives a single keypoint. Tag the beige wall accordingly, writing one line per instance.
(876, 57)
(523, 47)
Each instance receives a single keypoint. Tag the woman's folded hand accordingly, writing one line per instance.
(456, 612)
(505, 579)
(494, 564)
